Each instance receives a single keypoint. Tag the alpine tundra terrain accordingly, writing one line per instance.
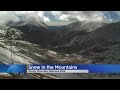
(81, 42)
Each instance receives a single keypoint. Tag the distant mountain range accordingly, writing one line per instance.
(101, 44)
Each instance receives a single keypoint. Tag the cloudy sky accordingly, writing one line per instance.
(55, 16)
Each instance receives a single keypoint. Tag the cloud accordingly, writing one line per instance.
(5, 16)
(80, 15)
(52, 16)
(22, 15)
(37, 15)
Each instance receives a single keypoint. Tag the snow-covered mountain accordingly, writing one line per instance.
(76, 43)
(34, 31)
(83, 38)
(15, 50)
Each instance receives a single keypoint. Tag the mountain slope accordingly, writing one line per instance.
(77, 46)
(18, 51)
(34, 31)
(69, 32)
(100, 45)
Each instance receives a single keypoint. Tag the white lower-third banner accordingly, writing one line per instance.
(57, 71)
